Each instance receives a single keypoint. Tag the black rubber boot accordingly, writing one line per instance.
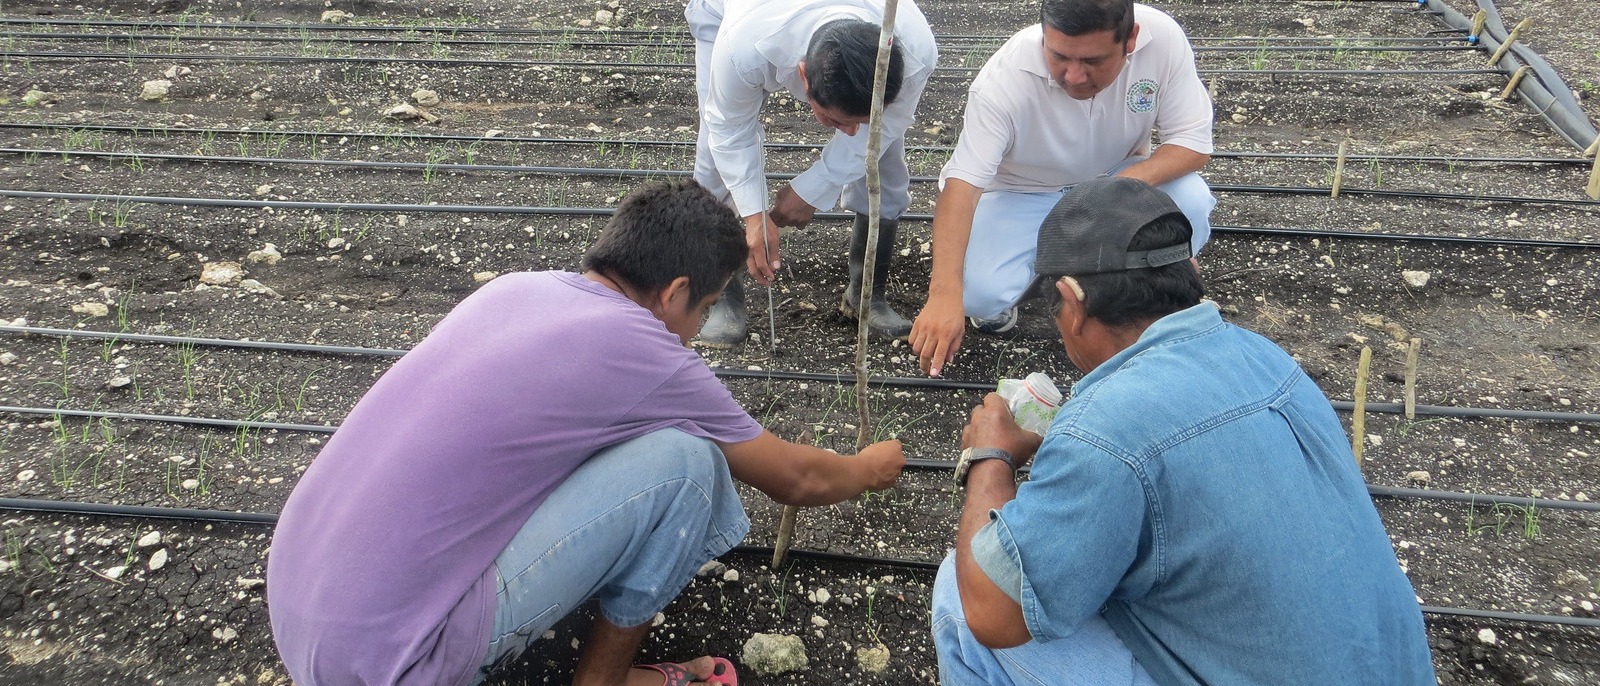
(881, 318)
(724, 327)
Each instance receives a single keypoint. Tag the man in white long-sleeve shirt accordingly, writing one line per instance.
(1063, 101)
(823, 52)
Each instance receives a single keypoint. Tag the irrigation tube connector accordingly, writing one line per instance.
(620, 173)
(1548, 95)
(760, 552)
(606, 212)
(414, 136)
(764, 374)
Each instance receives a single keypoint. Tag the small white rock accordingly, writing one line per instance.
(659, 619)
(336, 242)
(115, 572)
(158, 559)
(1419, 476)
(8, 358)
(176, 71)
(425, 97)
(119, 382)
(1487, 636)
(1375, 439)
(248, 583)
(224, 634)
(604, 17)
(26, 475)
(269, 252)
(221, 273)
(1416, 279)
(336, 17)
(818, 621)
(484, 277)
(731, 575)
(190, 484)
(149, 539)
(155, 90)
(92, 309)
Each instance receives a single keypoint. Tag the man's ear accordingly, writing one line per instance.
(805, 82)
(675, 295)
(1072, 306)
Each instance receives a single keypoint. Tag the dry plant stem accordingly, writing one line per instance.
(1411, 378)
(1479, 20)
(1358, 424)
(869, 259)
(1516, 79)
(1594, 148)
(1338, 168)
(1510, 40)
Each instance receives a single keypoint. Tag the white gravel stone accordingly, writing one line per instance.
(873, 659)
(659, 619)
(818, 621)
(149, 539)
(177, 72)
(484, 277)
(247, 583)
(1487, 636)
(221, 273)
(224, 634)
(336, 242)
(119, 382)
(158, 559)
(26, 475)
(190, 484)
(155, 90)
(425, 97)
(336, 17)
(92, 309)
(8, 359)
(1416, 279)
(711, 568)
(258, 288)
(604, 17)
(406, 110)
(269, 252)
(115, 572)
(775, 654)
(820, 596)
(1419, 476)
(731, 575)
(36, 97)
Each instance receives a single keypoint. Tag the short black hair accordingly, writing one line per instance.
(1132, 296)
(664, 230)
(840, 63)
(1079, 17)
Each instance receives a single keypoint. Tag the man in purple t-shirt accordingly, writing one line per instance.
(551, 441)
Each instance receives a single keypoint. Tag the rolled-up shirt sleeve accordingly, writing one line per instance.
(733, 125)
(987, 133)
(1063, 546)
(844, 157)
(1184, 113)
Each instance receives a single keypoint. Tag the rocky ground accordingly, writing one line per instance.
(117, 601)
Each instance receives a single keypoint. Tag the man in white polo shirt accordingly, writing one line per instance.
(1062, 102)
(824, 53)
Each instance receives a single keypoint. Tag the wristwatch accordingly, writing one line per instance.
(971, 456)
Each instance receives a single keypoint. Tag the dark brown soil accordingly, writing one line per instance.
(1501, 325)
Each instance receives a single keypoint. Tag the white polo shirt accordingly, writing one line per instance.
(1024, 133)
(758, 50)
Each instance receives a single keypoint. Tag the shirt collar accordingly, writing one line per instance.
(1184, 323)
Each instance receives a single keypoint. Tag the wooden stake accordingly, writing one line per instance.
(1516, 78)
(786, 522)
(1594, 148)
(1478, 21)
(874, 205)
(1211, 88)
(1358, 425)
(1411, 378)
(1506, 46)
(1338, 168)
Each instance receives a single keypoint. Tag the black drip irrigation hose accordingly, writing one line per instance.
(778, 176)
(722, 372)
(612, 66)
(760, 552)
(606, 212)
(1442, 45)
(445, 138)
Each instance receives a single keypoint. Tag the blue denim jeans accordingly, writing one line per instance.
(1005, 239)
(1093, 656)
(628, 529)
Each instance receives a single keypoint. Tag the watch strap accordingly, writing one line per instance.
(971, 456)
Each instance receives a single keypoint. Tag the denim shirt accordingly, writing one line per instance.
(1199, 492)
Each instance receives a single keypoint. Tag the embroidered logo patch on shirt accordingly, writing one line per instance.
(1142, 96)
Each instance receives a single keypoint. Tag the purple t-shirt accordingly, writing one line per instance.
(381, 569)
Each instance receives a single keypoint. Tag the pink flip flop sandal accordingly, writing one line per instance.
(722, 673)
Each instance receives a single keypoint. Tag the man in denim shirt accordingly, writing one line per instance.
(1194, 514)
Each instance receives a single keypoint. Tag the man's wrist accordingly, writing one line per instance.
(972, 457)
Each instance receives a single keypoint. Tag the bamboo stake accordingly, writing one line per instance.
(1411, 378)
(786, 522)
(1338, 168)
(1516, 78)
(1479, 20)
(1594, 148)
(1358, 425)
(1506, 46)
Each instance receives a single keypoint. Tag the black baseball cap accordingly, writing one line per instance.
(1089, 229)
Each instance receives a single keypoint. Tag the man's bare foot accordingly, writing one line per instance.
(700, 667)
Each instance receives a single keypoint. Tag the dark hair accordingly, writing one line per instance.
(840, 62)
(665, 230)
(1131, 296)
(1079, 17)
